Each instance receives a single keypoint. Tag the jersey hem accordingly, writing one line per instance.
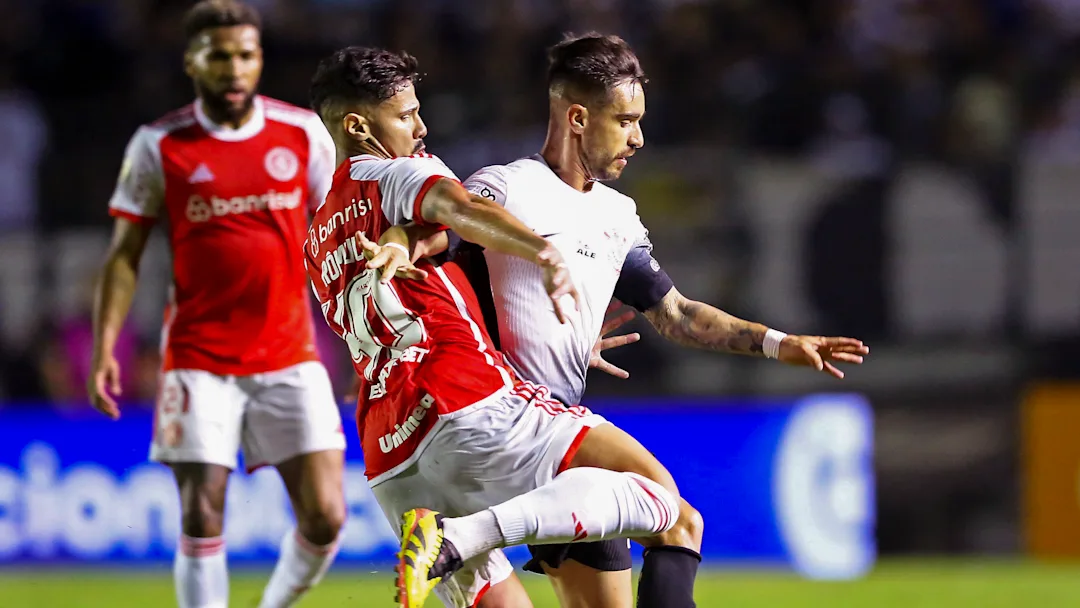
(173, 362)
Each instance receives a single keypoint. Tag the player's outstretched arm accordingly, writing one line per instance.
(699, 325)
(113, 293)
(422, 241)
(478, 221)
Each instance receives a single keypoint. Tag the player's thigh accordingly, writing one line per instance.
(197, 419)
(290, 412)
(513, 445)
(609, 447)
(580, 586)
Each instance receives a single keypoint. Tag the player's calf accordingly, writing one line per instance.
(200, 570)
(314, 484)
(672, 557)
(671, 563)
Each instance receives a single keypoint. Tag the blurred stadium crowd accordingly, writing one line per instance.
(852, 87)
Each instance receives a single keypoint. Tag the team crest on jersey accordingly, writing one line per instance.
(281, 164)
(616, 249)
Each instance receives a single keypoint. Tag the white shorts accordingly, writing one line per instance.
(273, 416)
(482, 456)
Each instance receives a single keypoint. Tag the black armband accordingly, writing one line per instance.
(643, 283)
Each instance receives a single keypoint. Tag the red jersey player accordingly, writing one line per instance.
(232, 177)
(444, 423)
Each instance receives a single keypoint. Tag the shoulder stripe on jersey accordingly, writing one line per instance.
(286, 112)
(175, 120)
(132, 217)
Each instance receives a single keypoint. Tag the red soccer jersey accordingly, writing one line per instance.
(236, 203)
(420, 346)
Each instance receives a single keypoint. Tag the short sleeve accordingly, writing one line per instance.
(140, 189)
(403, 183)
(490, 183)
(321, 163)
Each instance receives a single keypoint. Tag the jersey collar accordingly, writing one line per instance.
(250, 129)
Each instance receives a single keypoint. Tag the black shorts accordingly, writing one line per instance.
(604, 555)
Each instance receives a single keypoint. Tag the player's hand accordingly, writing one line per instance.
(390, 261)
(557, 280)
(820, 352)
(103, 386)
(596, 359)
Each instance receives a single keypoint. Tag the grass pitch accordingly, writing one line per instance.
(894, 584)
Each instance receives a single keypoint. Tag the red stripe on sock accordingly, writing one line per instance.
(201, 547)
(665, 517)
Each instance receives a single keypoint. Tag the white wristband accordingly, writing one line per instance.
(398, 246)
(771, 344)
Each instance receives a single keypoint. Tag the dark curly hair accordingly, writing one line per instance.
(219, 13)
(361, 75)
(587, 67)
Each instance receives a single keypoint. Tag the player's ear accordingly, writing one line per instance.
(189, 63)
(578, 117)
(356, 126)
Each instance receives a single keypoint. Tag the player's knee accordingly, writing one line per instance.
(688, 529)
(203, 514)
(323, 524)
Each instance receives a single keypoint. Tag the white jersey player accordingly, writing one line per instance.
(597, 102)
(606, 247)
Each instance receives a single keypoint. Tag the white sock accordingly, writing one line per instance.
(583, 504)
(301, 565)
(201, 573)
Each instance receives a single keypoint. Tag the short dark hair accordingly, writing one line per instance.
(363, 75)
(589, 66)
(219, 13)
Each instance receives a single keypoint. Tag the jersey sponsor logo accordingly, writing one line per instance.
(413, 354)
(201, 175)
(319, 233)
(281, 164)
(199, 210)
(403, 431)
(485, 192)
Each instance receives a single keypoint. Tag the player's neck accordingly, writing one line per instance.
(565, 161)
(223, 119)
(360, 148)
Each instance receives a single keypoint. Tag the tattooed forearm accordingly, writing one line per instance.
(699, 325)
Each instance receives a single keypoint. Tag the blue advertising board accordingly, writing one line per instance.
(781, 482)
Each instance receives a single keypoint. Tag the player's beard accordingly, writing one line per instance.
(218, 107)
(605, 170)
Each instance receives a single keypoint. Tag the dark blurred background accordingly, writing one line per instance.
(902, 171)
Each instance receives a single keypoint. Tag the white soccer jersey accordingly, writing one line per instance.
(594, 231)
